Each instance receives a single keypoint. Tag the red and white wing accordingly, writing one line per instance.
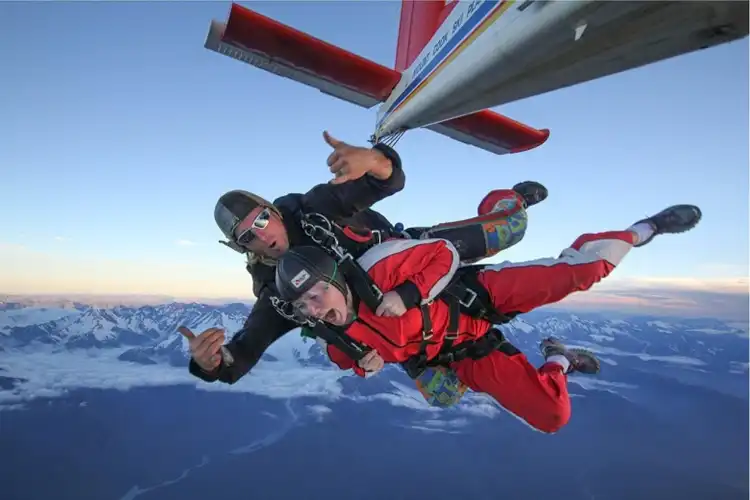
(280, 49)
(258, 40)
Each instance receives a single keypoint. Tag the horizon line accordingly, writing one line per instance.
(599, 304)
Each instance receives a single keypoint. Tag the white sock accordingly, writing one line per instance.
(560, 360)
(643, 231)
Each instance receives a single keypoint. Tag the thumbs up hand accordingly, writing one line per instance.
(205, 347)
(348, 163)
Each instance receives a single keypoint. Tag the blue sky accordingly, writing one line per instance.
(120, 131)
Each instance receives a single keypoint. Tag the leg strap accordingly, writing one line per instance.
(473, 298)
(493, 340)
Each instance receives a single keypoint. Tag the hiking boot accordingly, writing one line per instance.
(675, 219)
(532, 192)
(580, 360)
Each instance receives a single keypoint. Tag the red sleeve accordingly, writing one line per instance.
(429, 264)
(343, 361)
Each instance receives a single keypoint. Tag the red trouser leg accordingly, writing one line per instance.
(539, 397)
(523, 286)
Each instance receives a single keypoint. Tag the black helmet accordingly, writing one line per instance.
(233, 207)
(301, 267)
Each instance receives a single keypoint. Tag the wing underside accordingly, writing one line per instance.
(280, 49)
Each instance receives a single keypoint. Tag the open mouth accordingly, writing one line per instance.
(331, 316)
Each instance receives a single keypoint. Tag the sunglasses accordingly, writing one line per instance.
(261, 222)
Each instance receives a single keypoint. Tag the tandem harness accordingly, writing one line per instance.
(463, 294)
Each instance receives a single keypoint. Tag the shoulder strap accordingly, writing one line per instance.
(321, 231)
(361, 282)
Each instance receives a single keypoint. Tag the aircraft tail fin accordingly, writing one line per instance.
(419, 21)
(280, 49)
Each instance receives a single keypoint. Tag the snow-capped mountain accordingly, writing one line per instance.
(644, 342)
(154, 328)
(148, 335)
(88, 326)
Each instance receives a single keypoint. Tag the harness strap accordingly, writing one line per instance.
(473, 298)
(493, 340)
(464, 294)
(317, 329)
(343, 342)
(427, 331)
(454, 316)
(323, 234)
(361, 282)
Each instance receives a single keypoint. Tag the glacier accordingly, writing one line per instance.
(45, 352)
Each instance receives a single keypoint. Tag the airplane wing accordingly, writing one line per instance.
(283, 51)
(280, 49)
(492, 132)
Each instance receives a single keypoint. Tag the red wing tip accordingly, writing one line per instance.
(499, 131)
(532, 145)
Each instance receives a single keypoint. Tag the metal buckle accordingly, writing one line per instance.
(471, 300)
(314, 231)
(450, 357)
(285, 310)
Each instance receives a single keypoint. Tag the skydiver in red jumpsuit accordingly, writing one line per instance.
(413, 273)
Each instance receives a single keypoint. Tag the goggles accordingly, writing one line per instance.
(260, 222)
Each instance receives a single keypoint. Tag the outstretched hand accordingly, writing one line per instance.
(205, 347)
(348, 163)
